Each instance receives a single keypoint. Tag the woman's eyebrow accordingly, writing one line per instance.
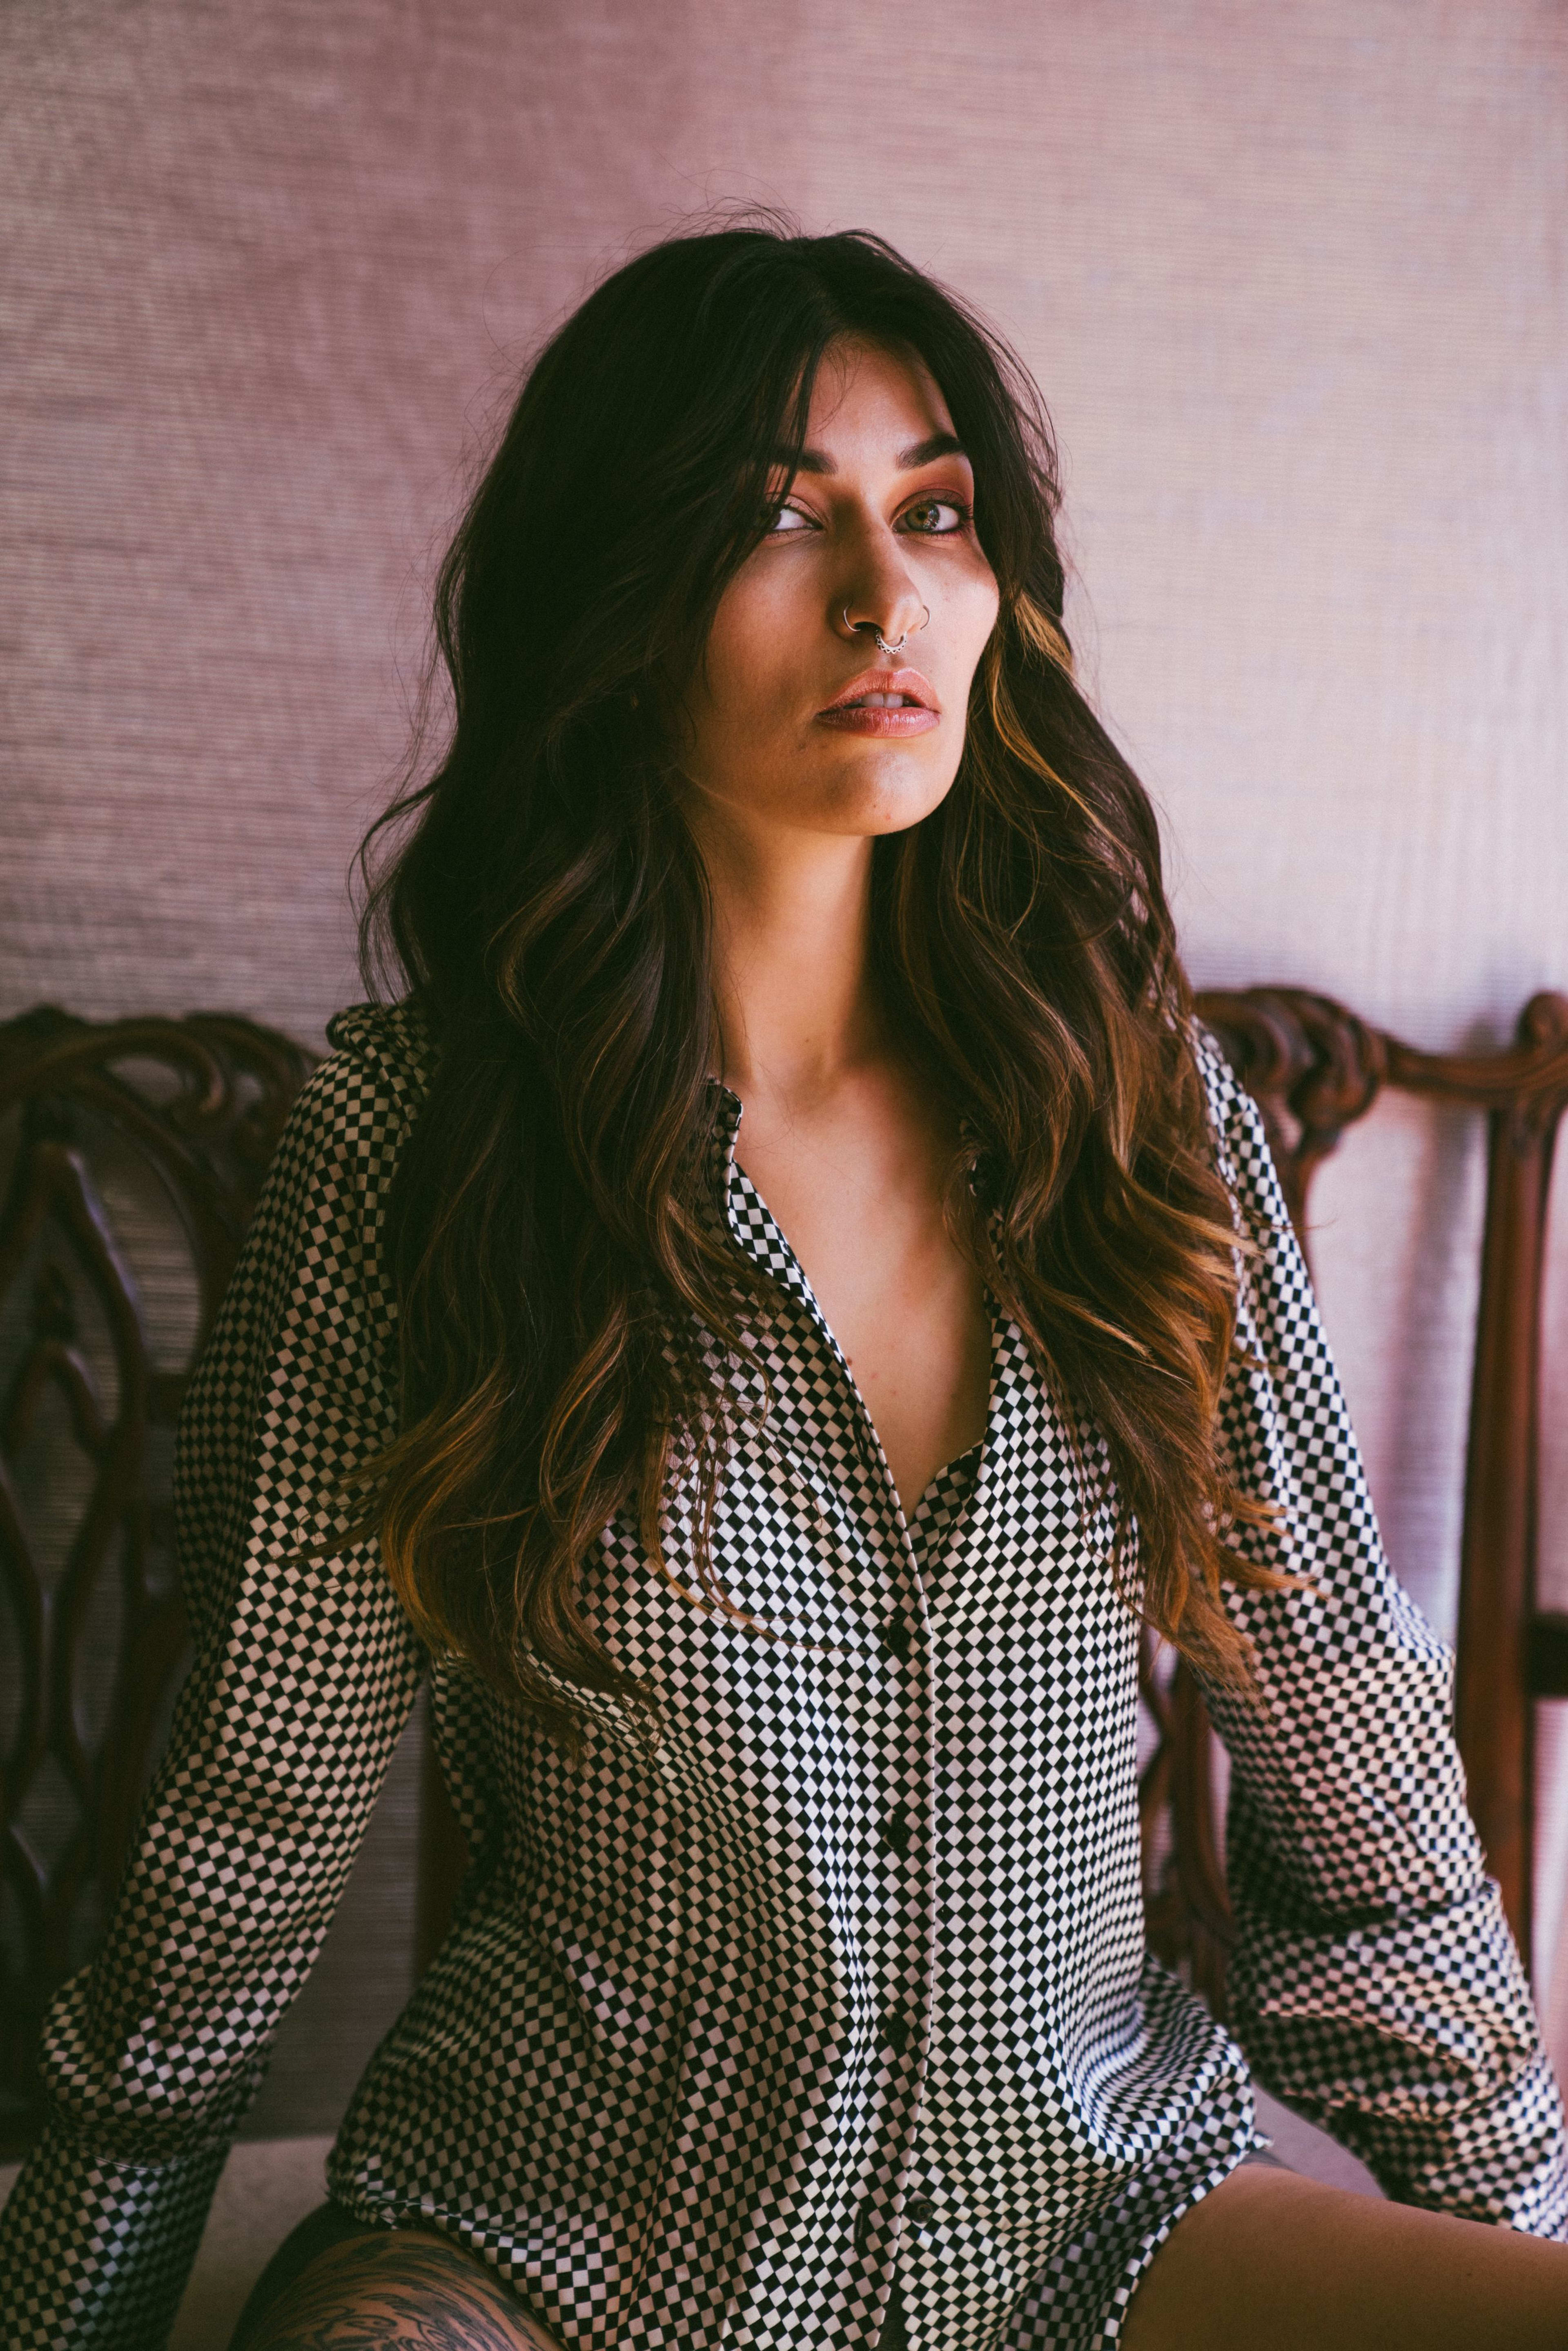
(940, 445)
(816, 461)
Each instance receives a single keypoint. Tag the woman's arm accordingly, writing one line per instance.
(1375, 1983)
(304, 1677)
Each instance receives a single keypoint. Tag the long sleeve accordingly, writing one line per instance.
(304, 1677)
(1374, 1985)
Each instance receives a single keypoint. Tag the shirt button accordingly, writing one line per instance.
(896, 1833)
(895, 1636)
(895, 2030)
(920, 2209)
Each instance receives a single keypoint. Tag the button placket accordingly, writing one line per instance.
(894, 1731)
(899, 1941)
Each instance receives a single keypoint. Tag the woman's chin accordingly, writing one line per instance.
(883, 789)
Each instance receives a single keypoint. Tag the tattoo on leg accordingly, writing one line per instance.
(410, 2289)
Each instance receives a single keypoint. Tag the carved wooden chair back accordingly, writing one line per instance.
(133, 1154)
(1315, 1069)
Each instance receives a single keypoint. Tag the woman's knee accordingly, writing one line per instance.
(401, 2287)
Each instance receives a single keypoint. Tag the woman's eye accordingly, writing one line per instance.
(786, 520)
(936, 517)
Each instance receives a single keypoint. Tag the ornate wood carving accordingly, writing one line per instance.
(1314, 1069)
(183, 1115)
(1500, 1637)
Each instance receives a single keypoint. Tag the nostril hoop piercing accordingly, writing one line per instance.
(854, 628)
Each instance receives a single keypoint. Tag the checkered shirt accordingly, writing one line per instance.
(841, 1976)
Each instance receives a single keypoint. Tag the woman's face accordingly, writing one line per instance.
(779, 734)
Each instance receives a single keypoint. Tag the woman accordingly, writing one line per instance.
(761, 1319)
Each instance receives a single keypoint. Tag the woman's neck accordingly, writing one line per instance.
(796, 1003)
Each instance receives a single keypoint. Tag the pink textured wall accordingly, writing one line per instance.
(1293, 280)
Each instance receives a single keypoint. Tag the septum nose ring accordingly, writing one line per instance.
(854, 628)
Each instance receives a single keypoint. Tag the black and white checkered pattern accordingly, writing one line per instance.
(842, 1974)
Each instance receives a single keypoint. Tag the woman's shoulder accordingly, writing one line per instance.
(1238, 1134)
(353, 1115)
(389, 1046)
(1232, 1112)
(1221, 1085)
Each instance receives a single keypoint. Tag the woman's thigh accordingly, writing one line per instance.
(405, 2287)
(1271, 2258)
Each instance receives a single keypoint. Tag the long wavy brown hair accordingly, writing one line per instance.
(564, 1298)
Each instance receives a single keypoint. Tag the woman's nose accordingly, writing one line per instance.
(878, 594)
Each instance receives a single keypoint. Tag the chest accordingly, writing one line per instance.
(860, 1205)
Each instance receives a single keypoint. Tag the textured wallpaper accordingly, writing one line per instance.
(1294, 281)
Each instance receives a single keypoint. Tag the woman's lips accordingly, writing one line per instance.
(883, 702)
(909, 719)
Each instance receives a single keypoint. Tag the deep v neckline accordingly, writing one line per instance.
(734, 1176)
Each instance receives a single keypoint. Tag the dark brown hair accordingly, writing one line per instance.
(554, 1269)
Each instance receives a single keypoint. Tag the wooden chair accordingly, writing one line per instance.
(1314, 1069)
(136, 1150)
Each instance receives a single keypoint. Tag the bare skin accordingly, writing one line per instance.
(847, 1144)
(1273, 2258)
